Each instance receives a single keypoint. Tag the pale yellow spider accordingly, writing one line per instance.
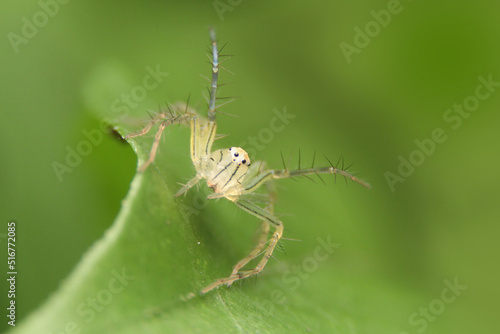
(228, 172)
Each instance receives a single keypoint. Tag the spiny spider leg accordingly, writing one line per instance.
(264, 230)
(158, 118)
(154, 148)
(215, 77)
(269, 218)
(284, 173)
(166, 119)
(256, 251)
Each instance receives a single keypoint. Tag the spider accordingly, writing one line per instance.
(229, 172)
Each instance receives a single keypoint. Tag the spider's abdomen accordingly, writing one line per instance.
(228, 168)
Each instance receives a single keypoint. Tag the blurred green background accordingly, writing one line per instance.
(394, 87)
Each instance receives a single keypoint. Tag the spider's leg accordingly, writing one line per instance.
(202, 137)
(271, 220)
(215, 77)
(180, 119)
(158, 118)
(264, 232)
(154, 148)
(270, 174)
(188, 185)
(171, 116)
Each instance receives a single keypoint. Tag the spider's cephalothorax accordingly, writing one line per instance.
(226, 170)
(229, 173)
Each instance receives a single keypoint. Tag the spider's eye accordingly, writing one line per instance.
(236, 154)
(243, 161)
(230, 148)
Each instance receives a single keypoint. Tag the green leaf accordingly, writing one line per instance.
(161, 248)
